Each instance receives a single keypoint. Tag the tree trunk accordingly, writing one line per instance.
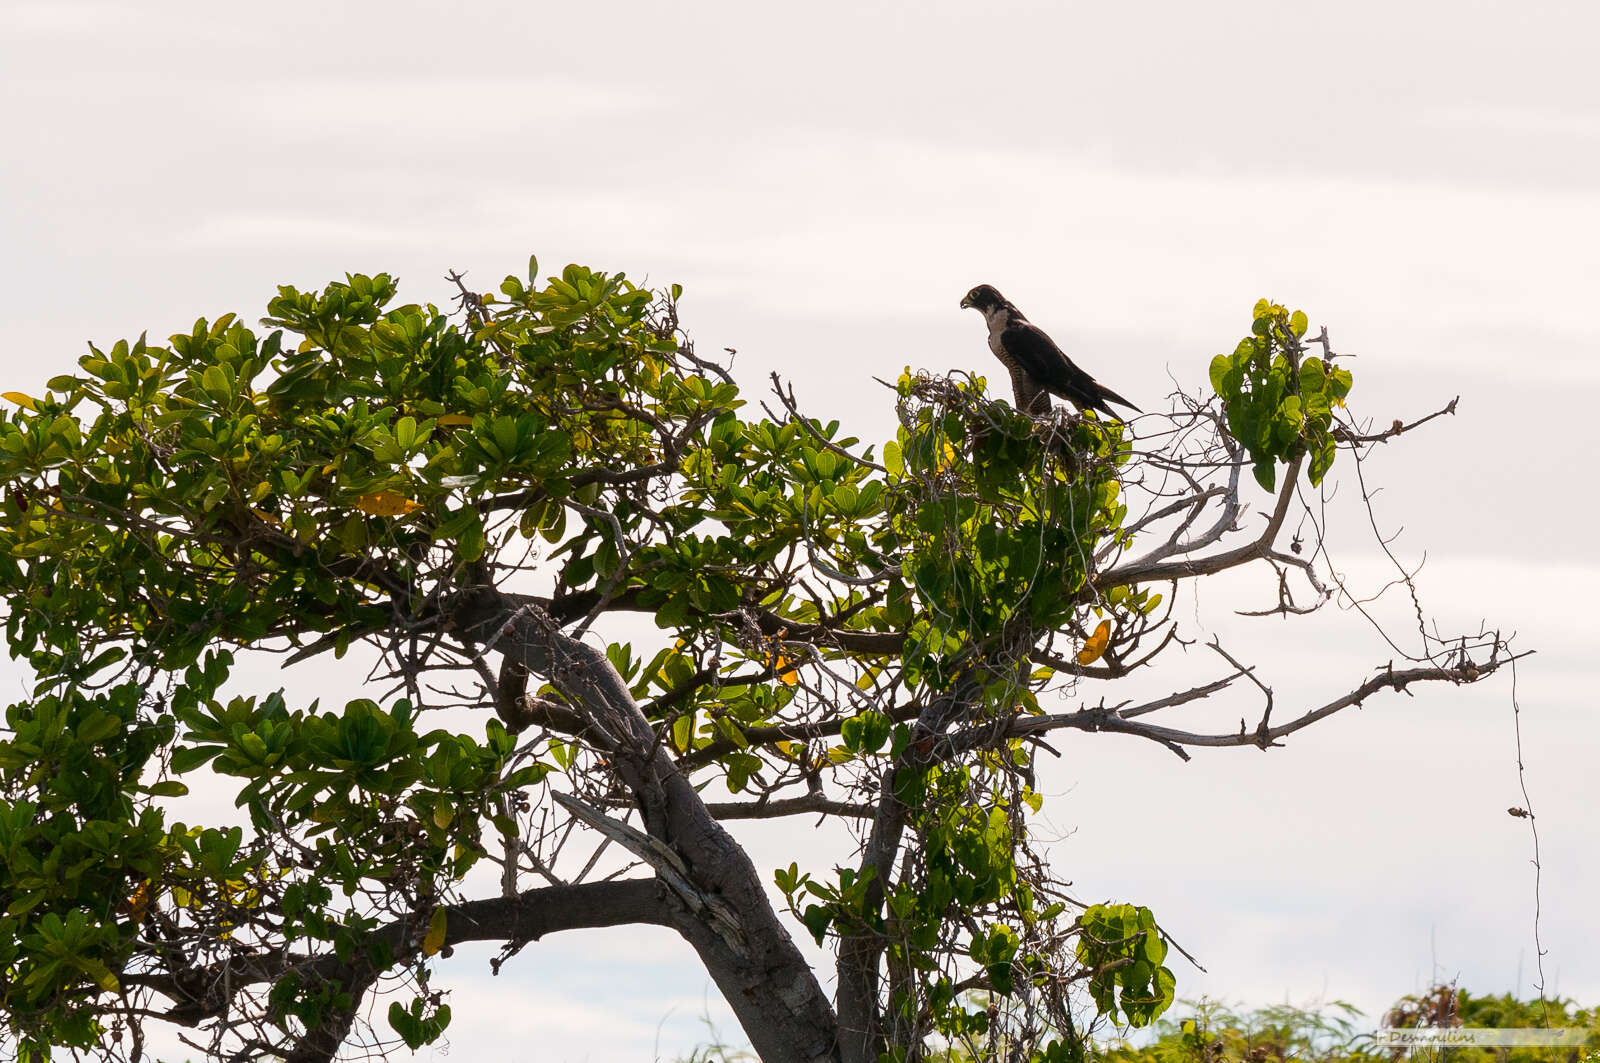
(719, 904)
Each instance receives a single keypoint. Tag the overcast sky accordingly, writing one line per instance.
(826, 180)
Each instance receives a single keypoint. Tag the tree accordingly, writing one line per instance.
(846, 632)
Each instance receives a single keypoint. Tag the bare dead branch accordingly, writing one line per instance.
(1142, 572)
(796, 417)
(1173, 738)
(1345, 434)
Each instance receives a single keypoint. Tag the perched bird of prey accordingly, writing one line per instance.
(1038, 368)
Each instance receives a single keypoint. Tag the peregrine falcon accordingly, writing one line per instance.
(1037, 366)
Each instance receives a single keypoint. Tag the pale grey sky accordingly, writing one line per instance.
(826, 180)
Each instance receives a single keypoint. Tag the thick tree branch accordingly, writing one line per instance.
(789, 806)
(747, 951)
(199, 992)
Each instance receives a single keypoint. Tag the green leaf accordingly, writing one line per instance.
(817, 919)
(434, 940)
(97, 728)
(100, 973)
(406, 1025)
(1219, 372)
(472, 541)
(1322, 455)
(187, 758)
(1313, 375)
(893, 460)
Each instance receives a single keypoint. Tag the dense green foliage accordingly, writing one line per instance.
(227, 491)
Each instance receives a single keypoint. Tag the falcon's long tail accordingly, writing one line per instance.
(1106, 395)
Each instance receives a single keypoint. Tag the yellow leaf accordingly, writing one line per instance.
(385, 504)
(434, 941)
(25, 401)
(454, 418)
(306, 344)
(1096, 644)
(138, 902)
(443, 816)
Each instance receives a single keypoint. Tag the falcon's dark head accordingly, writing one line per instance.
(983, 298)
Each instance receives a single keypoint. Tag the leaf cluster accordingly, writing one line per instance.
(1279, 401)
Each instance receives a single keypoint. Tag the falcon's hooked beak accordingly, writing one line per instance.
(966, 301)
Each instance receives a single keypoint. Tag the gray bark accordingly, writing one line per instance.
(718, 903)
